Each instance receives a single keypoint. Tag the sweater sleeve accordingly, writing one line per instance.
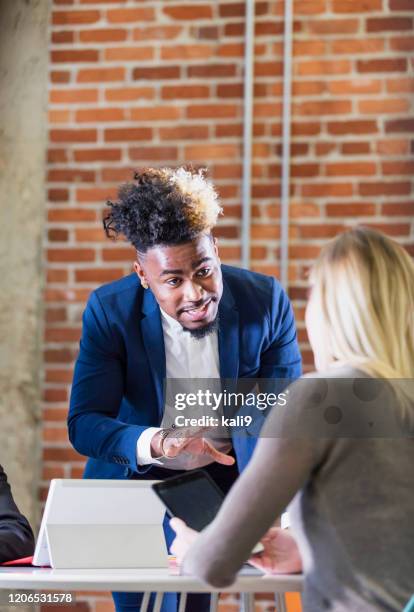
(281, 465)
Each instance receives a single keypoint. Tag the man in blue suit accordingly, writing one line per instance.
(181, 314)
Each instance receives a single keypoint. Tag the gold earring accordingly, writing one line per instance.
(144, 284)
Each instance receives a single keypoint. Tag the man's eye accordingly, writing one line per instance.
(203, 272)
(174, 282)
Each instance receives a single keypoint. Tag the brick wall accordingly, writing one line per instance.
(151, 82)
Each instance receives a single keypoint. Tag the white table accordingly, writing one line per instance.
(159, 581)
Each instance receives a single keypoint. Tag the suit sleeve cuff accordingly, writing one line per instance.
(144, 456)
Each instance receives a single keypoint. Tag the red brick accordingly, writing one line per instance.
(304, 169)
(58, 195)
(226, 231)
(97, 75)
(95, 194)
(229, 130)
(304, 7)
(383, 188)
(351, 209)
(127, 134)
(98, 275)
(206, 111)
(60, 455)
(90, 235)
(58, 235)
(397, 64)
(126, 254)
(403, 209)
(354, 126)
(269, 28)
(299, 129)
(350, 6)
(104, 35)
(266, 110)
(156, 73)
(68, 215)
(333, 26)
(128, 54)
(184, 132)
(130, 15)
(90, 155)
(384, 24)
(59, 116)
(381, 107)
(161, 32)
(72, 96)
(212, 70)
(172, 92)
(237, 50)
(238, 9)
(405, 43)
(62, 334)
(155, 113)
(56, 156)
(125, 94)
(401, 5)
(73, 135)
(75, 17)
(230, 90)
(208, 33)
(393, 146)
(396, 229)
(111, 175)
(53, 315)
(405, 166)
(323, 107)
(271, 69)
(59, 76)
(99, 114)
(70, 175)
(187, 12)
(399, 125)
(400, 85)
(350, 45)
(311, 67)
(74, 55)
(351, 169)
(355, 148)
(323, 190)
(154, 153)
(320, 231)
(65, 36)
(57, 276)
(70, 255)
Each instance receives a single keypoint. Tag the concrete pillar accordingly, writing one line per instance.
(23, 141)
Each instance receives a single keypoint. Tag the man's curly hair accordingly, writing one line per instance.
(163, 206)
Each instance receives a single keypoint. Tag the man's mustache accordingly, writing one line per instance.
(198, 304)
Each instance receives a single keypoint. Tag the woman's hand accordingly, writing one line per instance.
(185, 537)
(281, 554)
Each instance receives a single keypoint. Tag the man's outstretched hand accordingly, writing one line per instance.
(187, 440)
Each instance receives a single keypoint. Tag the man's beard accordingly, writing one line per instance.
(202, 332)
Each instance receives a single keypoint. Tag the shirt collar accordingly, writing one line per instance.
(170, 324)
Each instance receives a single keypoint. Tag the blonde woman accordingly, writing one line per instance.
(342, 453)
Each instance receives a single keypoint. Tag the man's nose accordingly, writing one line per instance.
(193, 292)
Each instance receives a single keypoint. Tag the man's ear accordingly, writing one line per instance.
(215, 246)
(139, 271)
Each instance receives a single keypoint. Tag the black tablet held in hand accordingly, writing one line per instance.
(193, 497)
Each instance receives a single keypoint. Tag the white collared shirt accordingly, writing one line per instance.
(185, 357)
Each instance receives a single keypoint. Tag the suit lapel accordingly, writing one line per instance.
(153, 338)
(228, 335)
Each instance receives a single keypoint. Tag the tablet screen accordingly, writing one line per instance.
(193, 497)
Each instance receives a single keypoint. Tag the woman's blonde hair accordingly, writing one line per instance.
(363, 287)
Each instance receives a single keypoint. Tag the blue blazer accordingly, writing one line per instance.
(117, 389)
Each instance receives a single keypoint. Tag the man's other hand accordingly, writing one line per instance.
(187, 441)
